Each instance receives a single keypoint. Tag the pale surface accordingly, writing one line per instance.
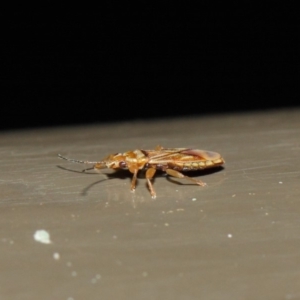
(237, 238)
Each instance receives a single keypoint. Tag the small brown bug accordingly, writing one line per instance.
(169, 160)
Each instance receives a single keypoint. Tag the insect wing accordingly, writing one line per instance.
(185, 158)
(165, 155)
(201, 154)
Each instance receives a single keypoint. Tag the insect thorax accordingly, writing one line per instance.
(135, 158)
(127, 160)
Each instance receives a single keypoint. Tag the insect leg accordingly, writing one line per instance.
(84, 170)
(133, 181)
(149, 175)
(180, 175)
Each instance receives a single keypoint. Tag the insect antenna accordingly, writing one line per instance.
(78, 161)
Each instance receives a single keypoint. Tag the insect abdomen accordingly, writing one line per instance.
(195, 165)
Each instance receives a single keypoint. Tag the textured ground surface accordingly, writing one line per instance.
(237, 238)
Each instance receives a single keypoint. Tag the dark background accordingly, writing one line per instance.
(124, 63)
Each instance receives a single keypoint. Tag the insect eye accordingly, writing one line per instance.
(122, 164)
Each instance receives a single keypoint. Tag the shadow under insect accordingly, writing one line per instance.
(125, 174)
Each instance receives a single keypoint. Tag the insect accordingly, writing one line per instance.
(169, 160)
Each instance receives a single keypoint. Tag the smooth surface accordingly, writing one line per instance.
(237, 238)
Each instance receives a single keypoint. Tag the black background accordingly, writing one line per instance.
(118, 63)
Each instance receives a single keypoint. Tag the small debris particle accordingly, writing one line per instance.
(56, 256)
(229, 235)
(119, 262)
(96, 278)
(145, 274)
(233, 195)
(194, 199)
(167, 224)
(42, 236)
(180, 209)
(74, 273)
(280, 182)
(69, 264)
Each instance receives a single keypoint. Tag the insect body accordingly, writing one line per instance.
(169, 160)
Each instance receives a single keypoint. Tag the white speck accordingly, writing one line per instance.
(266, 214)
(119, 263)
(74, 273)
(70, 298)
(115, 237)
(194, 199)
(280, 182)
(233, 195)
(229, 235)
(96, 278)
(145, 274)
(42, 236)
(166, 224)
(56, 256)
